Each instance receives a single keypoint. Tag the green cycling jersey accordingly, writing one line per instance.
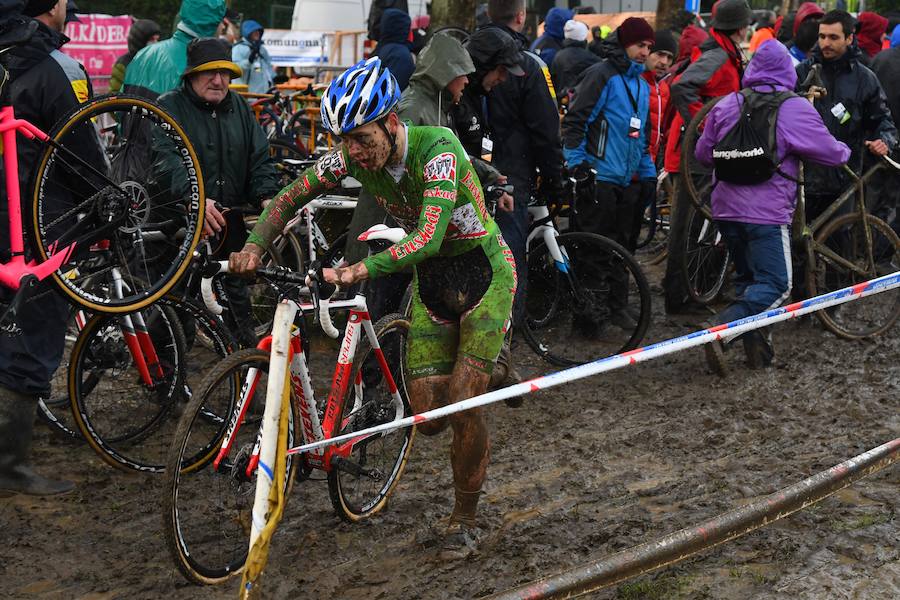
(434, 195)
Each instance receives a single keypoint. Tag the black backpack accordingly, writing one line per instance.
(746, 155)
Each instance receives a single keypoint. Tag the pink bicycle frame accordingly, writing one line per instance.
(12, 272)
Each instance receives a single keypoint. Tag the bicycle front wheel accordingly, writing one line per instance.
(120, 184)
(590, 302)
(207, 507)
(377, 461)
(872, 255)
(124, 379)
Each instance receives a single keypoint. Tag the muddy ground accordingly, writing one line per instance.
(577, 472)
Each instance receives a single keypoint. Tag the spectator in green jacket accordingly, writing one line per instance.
(157, 69)
(233, 153)
(142, 33)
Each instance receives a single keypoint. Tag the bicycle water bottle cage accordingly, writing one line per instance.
(381, 237)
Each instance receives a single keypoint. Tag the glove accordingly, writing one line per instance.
(552, 190)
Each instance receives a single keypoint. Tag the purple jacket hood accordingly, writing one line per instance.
(799, 134)
(771, 67)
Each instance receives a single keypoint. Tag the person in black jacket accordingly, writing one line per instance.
(523, 124)
(886, 66)
(854, 110)
(574, 58)
(44, 86)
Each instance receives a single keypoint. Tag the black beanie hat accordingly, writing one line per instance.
(665, 42)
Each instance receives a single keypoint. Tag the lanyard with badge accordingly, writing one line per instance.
(634, 125)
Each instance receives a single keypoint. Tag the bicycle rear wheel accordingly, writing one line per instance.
(122, 405)
(121, 181)
(593, 304)
(207, 509)
(846, 236)
(381, 458)
(697, 177)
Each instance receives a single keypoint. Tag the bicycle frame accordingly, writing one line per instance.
(543, 227)
(807, 231)
(135, 334)
(307, 215)
(13, 272)
(288, 358)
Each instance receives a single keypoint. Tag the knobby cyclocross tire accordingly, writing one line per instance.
(705, 259)
(88, 189)
(569, 313)
(864, 317)
(119, 414)
(206, 512)
(384, 455)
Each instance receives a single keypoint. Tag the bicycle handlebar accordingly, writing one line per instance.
(321, 291)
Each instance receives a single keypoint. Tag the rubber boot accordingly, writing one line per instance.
(17, 413)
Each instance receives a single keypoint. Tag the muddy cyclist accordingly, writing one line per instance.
(464, 274)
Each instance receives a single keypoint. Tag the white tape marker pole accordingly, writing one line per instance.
(698, 338)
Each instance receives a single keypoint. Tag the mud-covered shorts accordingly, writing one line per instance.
(460, 311)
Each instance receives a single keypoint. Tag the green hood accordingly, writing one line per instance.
(441, 61)
(202, 17)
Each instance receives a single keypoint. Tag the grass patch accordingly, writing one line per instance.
(661, 588)
(861, 522)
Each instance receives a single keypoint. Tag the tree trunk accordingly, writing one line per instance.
(664, 11)
(453, 13)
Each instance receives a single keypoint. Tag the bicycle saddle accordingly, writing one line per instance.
(16, 32)
(382, 232)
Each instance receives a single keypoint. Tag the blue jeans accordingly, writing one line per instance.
(762, 261)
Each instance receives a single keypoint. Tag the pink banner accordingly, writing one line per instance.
(96, 43)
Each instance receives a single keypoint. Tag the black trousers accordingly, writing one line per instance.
(615, 213)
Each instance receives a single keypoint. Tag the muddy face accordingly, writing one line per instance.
(368, 146)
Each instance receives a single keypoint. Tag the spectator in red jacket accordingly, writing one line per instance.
(715, 70)
(662, 54)
(691, 37)
(872, 29)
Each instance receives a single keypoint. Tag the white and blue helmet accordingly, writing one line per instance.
(362, 94)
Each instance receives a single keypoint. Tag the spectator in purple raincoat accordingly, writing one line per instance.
(755, 219)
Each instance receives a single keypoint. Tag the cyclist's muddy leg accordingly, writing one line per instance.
(471, 448)
(426, 393)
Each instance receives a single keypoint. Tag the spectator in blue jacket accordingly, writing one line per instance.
(394, 45)
(755, 219)
(252, 57)
(551, 41)
(606, 129)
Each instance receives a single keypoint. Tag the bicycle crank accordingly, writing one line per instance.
(348, 466)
